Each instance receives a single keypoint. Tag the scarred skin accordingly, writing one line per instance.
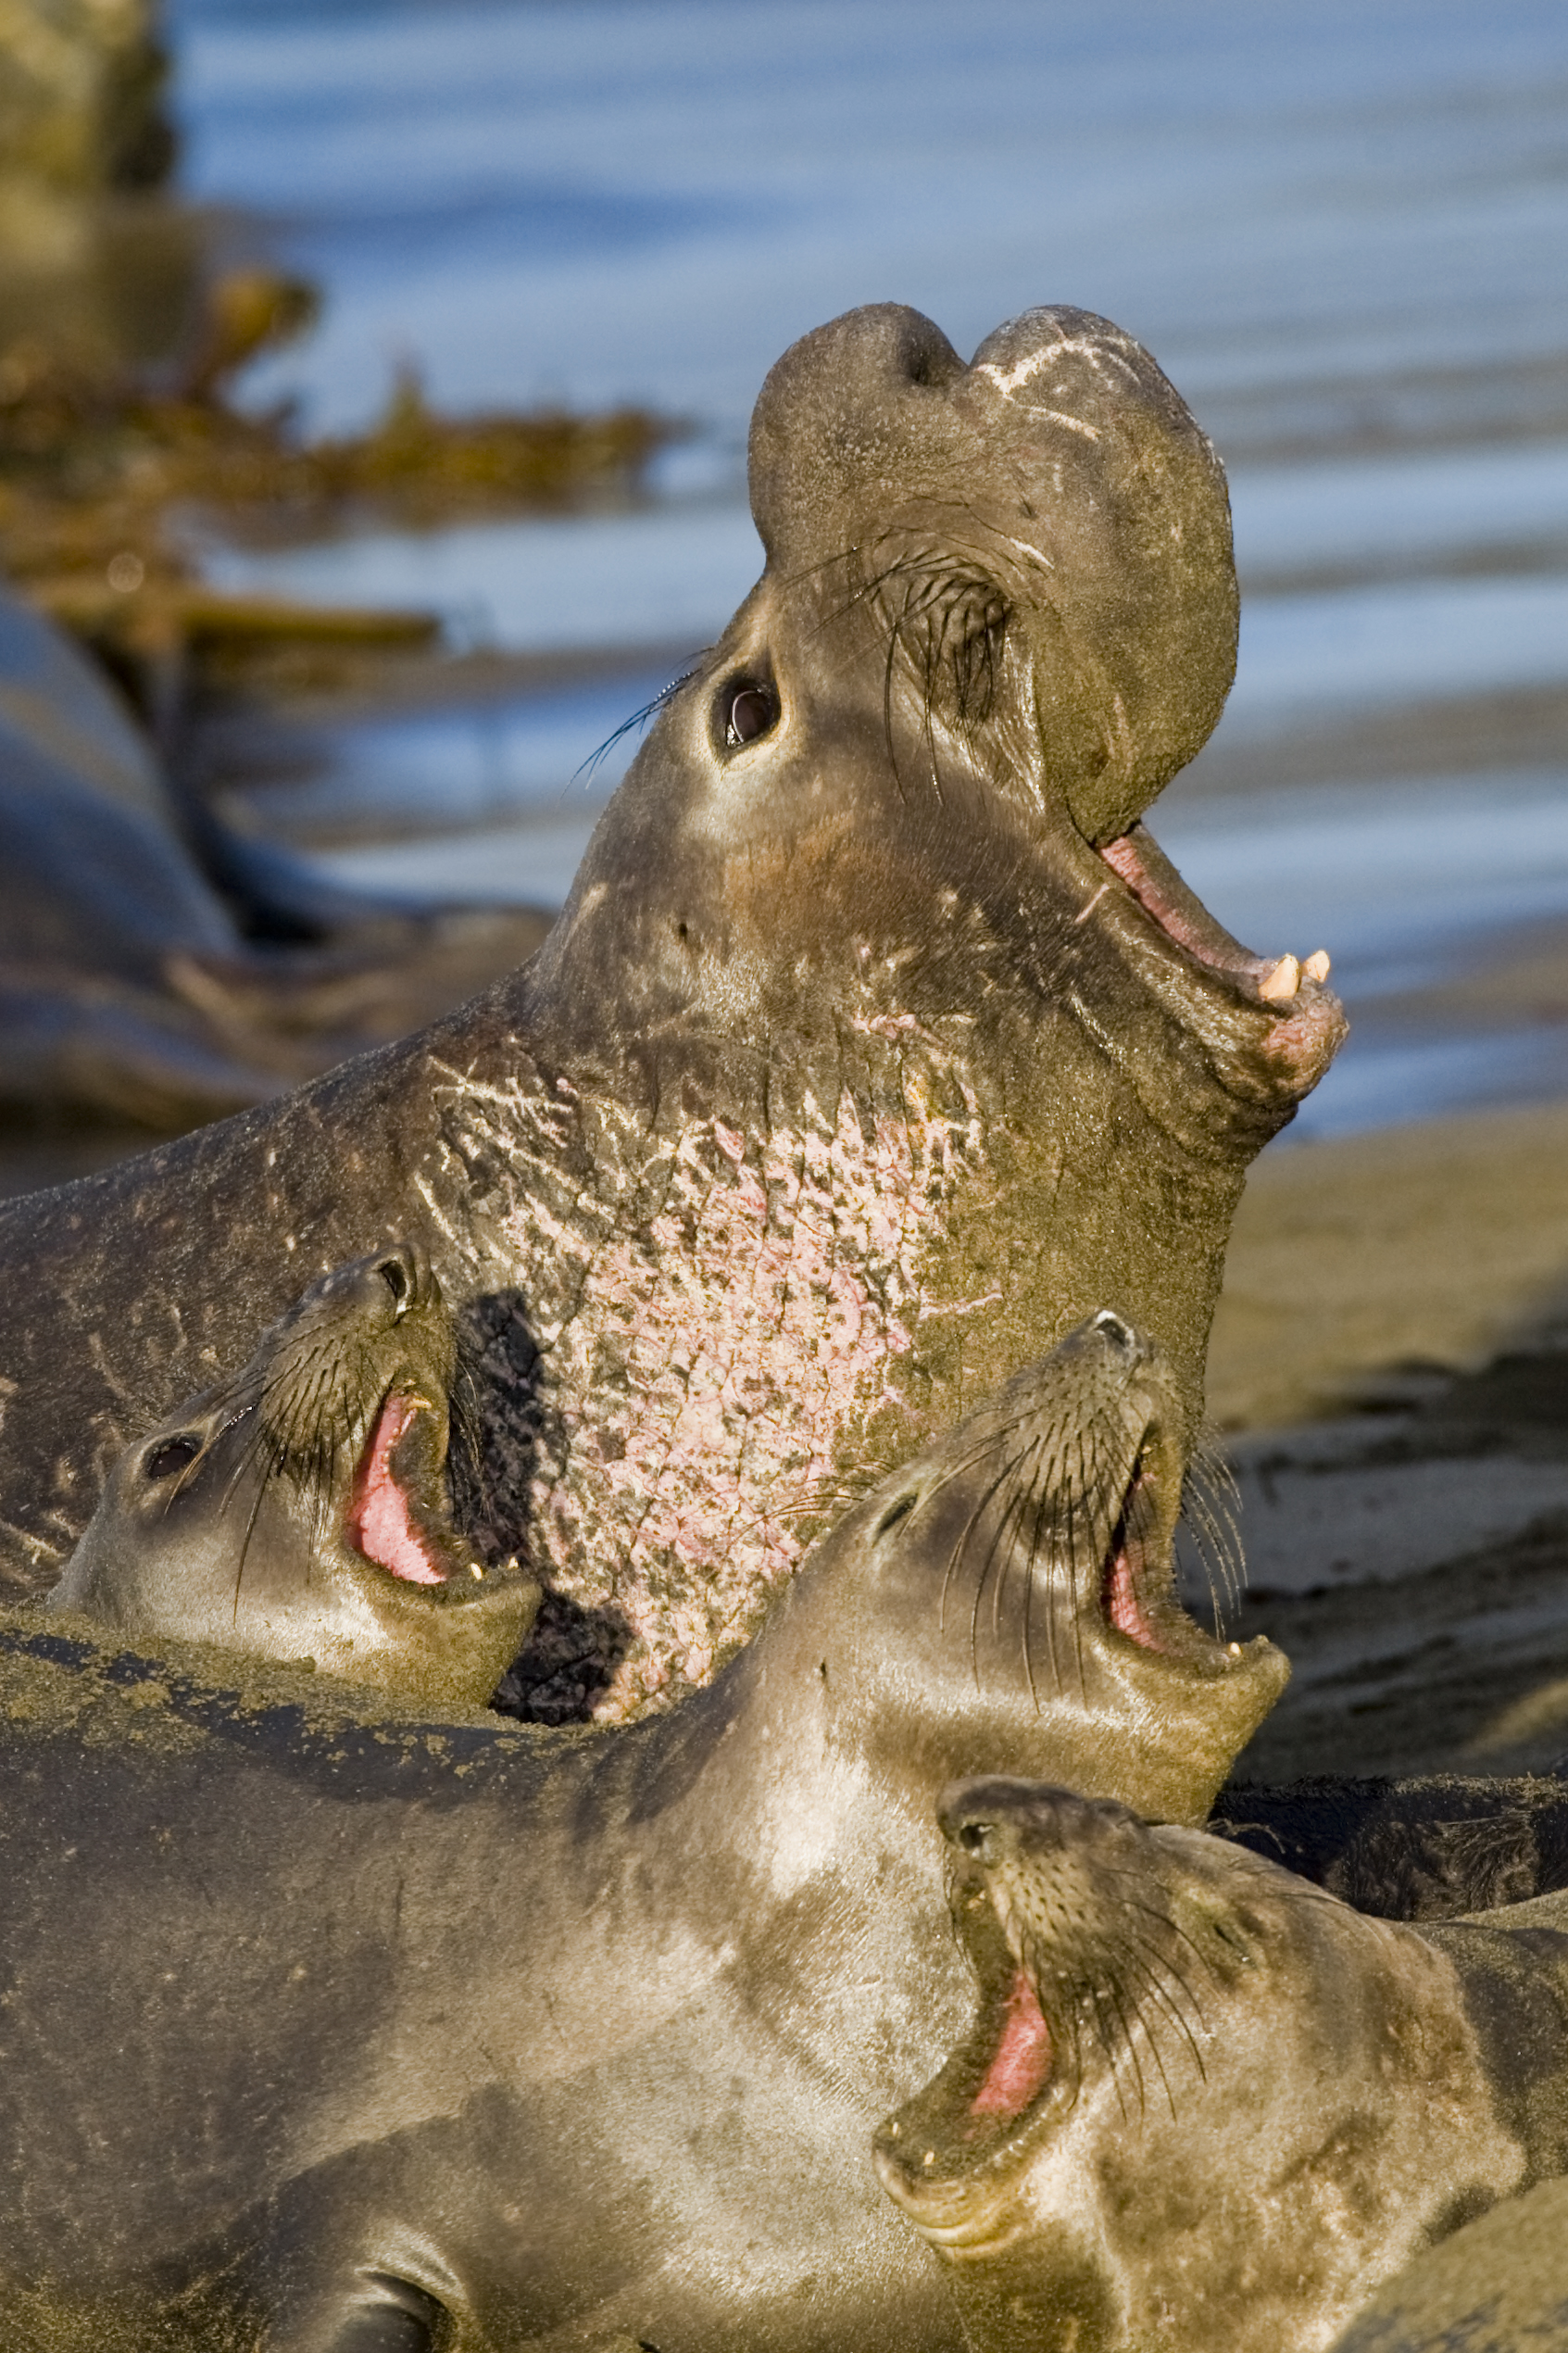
(1205, 2104)
(333, 2034)
(852, 1075)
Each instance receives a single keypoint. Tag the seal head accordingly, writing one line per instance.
(300, 1509)
(1057, 490)
(1013, 1594)
(1203, 2103)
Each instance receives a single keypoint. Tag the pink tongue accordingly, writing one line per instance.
(1023, 2057)
(379, 1525)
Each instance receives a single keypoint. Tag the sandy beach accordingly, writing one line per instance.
(1389, 1362)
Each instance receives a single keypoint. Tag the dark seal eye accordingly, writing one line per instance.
(170, 1455)
(973, 1837)
(750, 708)
(898, 1509)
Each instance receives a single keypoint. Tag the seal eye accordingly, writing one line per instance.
(170, 1455)
(973, 1837)
(900, 1509)
(750, 708)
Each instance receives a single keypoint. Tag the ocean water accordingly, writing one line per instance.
(1342, 229)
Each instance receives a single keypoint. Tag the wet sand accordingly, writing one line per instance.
(1390, 1361)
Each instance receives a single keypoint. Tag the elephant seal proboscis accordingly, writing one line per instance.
(875, 1047)
(1204, 2103)
(300, 1510)
(351, 2033)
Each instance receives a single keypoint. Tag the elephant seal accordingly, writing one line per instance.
(1429, 1848)
(875, 1047)
(153, 966)
(323, 2031)
(1205, 2104)
(299, 1511)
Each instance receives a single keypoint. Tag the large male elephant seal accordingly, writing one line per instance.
(300, 1510)
(875, 1045)
(325, 2032)
(1204, 2105)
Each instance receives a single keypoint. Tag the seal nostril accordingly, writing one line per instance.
(170, 1455)
(750, 708)
(1114, 1329)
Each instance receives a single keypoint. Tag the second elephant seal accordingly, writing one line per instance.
(300, 1511)
(1205, 2104)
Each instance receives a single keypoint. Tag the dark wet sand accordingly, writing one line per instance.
(1391, 1355)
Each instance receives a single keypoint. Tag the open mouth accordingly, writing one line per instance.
(1182, 916)
(950, 2153)
(389, 1517)
(1304, 1020)
(398, 1519)
(1137, 1579)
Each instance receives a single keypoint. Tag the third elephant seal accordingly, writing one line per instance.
(1203, 2104)
(299, 1509)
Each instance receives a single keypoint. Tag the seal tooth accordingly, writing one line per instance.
(1281, 983)
(1317, 967)
(474, 1570)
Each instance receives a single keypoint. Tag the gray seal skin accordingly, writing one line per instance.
(1499, 2285)
(1205, 2104)
(325, 2033)
(875, 1047)
(300, 1511)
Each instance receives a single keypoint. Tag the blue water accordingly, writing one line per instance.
(1342, 228)
(651, 198)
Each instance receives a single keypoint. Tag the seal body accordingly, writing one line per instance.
(1204, 2103)
(299, 1511)
(875, 1047)
(340, 2032)
(153, 966)
(1499, 2285)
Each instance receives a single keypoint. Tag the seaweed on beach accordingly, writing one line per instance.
(109, 463)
